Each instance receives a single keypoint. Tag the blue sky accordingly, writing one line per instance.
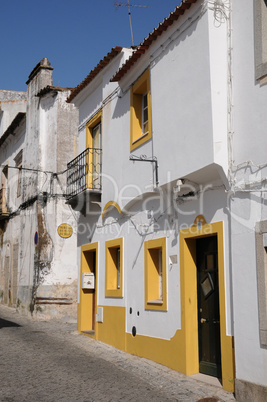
(73, 34)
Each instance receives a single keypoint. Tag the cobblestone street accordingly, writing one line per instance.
(51, 361)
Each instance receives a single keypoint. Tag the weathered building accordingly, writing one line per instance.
(38, 267)
(170, 181)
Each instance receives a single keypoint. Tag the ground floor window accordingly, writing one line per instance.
(114, 266)
(155, 274)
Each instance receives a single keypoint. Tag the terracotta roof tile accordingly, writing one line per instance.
(106, 60)
(51, 88)
(141, 49)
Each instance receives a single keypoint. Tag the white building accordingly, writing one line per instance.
(38, 263)
(170, 181)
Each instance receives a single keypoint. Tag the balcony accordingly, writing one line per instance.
(84, 180)
(3, 203)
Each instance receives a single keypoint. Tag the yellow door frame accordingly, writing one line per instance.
(85, 306)
(189, 299)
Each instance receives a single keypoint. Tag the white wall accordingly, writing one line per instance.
(247, 207)
(193, 74)
(11, 103)
(48, 139)
(189, 122)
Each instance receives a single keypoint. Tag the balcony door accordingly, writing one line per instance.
(96, 157)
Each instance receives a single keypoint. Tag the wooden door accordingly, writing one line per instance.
(208, 306)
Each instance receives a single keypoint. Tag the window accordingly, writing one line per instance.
(141, 127)
(144, 114)
(18, 161)
(114, 267)
(155, 274)
(4, 191)
(260, 24)
(261, 248)
(94, 145)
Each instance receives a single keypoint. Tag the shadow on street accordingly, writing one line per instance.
(6, 323)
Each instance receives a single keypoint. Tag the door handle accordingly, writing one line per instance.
(202, 320)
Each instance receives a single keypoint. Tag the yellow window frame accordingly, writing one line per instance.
(140, 87)
(113, 287)
(153, 300)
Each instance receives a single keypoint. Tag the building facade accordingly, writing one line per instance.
(38, 270)
(170, 183)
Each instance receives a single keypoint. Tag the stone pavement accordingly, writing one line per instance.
(50, 361)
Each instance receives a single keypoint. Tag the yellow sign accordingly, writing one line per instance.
(64, 230)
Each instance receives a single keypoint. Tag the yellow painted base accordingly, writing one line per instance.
(112, 329)
(170, 353)
(174, 353)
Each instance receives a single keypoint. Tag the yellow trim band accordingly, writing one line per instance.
(111, 204)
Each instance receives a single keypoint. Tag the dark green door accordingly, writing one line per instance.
(208, 306)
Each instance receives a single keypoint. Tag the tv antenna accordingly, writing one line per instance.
(129, 13)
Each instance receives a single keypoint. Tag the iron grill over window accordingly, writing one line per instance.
(84, 172)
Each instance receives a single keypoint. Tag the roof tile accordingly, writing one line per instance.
(185, 5)
(93, 73)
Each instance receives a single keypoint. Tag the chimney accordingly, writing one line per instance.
(41, 75)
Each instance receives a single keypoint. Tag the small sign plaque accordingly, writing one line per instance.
(36, 238)
(64, 230)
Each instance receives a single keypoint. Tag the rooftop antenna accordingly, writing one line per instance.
(129, 13)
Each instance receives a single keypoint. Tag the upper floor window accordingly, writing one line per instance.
(141, 125)
(260, 24)
(4, 191)
(18, 161)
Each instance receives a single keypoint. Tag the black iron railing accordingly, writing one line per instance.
(84, 172)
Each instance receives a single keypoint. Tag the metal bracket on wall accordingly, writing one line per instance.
(144, 158)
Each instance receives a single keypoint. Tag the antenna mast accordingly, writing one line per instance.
(129, 13)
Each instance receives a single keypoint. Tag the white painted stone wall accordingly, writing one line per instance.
(209, 126)
(11, 103)
(189, 123)
(47, 271)
(248, 206)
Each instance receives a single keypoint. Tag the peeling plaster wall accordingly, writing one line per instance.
(43, 272)
(10, 231)
(11, 103)
(9, 262)
(57, 142)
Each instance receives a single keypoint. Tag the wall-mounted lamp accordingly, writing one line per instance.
(177, 188)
